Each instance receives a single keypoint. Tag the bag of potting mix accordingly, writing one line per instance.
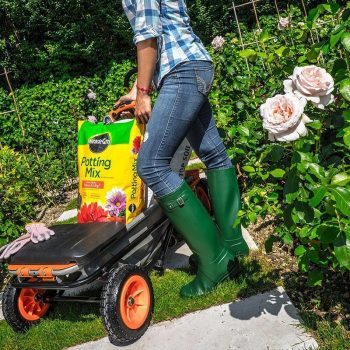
(109, 186)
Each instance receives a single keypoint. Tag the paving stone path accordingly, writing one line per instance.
(264, 321)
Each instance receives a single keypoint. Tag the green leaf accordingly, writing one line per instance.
(335, 38)
(282, 51)
(264, 36)
(344, 88)
(345, 40)
(300, 250)
(287, 238)
(243, 130)
(342, 250)
(346, 139)
(316, 124)
(342, 199)
(304, 212)
(315, 278)
(346, 115)
(319, 194)
(276, 153)
(316, 170)
(312, 16)
(292, 183)
(249, 169)
(341, 179)
(327, 233)
(248, 53)
(278, 173)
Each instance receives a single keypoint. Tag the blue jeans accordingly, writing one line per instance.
(182, 109)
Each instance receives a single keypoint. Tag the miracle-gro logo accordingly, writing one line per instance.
(99, 143)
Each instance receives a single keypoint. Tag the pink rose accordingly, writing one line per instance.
(91, 95)
(284, 23)
(312, 83)
(92, 119)
(284, 118)
(218, 42)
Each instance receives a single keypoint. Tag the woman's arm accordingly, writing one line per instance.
(146, 61)
(147, 28)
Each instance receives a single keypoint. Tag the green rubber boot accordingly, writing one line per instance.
(226, 202)
(192, 221)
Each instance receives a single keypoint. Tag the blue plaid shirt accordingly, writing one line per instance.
(168, 21)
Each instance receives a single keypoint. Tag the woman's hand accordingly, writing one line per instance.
(143, 108)
(130, 96)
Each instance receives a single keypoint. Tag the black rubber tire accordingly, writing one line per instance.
(118, 332)
(11, 313)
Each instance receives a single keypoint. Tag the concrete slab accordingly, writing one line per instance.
(68, 215)
(265, 321)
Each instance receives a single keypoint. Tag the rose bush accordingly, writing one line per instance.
(303, 184)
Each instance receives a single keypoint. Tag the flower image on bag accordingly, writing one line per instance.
(136, 145)
(116, 202)
(91, 213)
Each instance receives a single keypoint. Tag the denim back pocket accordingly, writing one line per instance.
(204, 77)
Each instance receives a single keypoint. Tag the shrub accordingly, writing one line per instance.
(304, 184)
(17, 194)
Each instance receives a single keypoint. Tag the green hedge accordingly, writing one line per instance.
(41, 41)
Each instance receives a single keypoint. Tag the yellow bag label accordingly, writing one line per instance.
(109, 186)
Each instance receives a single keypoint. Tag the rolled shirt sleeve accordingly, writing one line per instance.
(147, 21)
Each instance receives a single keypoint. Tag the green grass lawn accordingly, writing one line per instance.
(73, 204)
(71, 324)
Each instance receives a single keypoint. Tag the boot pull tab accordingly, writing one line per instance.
(178, 202)
(181, 202)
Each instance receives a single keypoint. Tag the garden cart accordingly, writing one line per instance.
(117, 255)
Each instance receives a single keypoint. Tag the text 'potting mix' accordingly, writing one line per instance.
(109, 185)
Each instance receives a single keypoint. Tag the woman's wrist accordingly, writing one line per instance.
(144, 90)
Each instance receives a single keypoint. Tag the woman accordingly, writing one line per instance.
(170, 54)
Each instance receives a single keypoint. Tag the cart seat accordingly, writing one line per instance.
(77, 243)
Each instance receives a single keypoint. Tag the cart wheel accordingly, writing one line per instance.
(23, 308)
(202, 193)
(127, 304)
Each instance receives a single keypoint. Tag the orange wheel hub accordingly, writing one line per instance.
(31, 305)
(135, 302)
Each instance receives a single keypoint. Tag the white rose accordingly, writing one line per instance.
(91, 95)
(284, 118)
(218, 42)
(92, 119)
(312, 83)
(283, 23)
